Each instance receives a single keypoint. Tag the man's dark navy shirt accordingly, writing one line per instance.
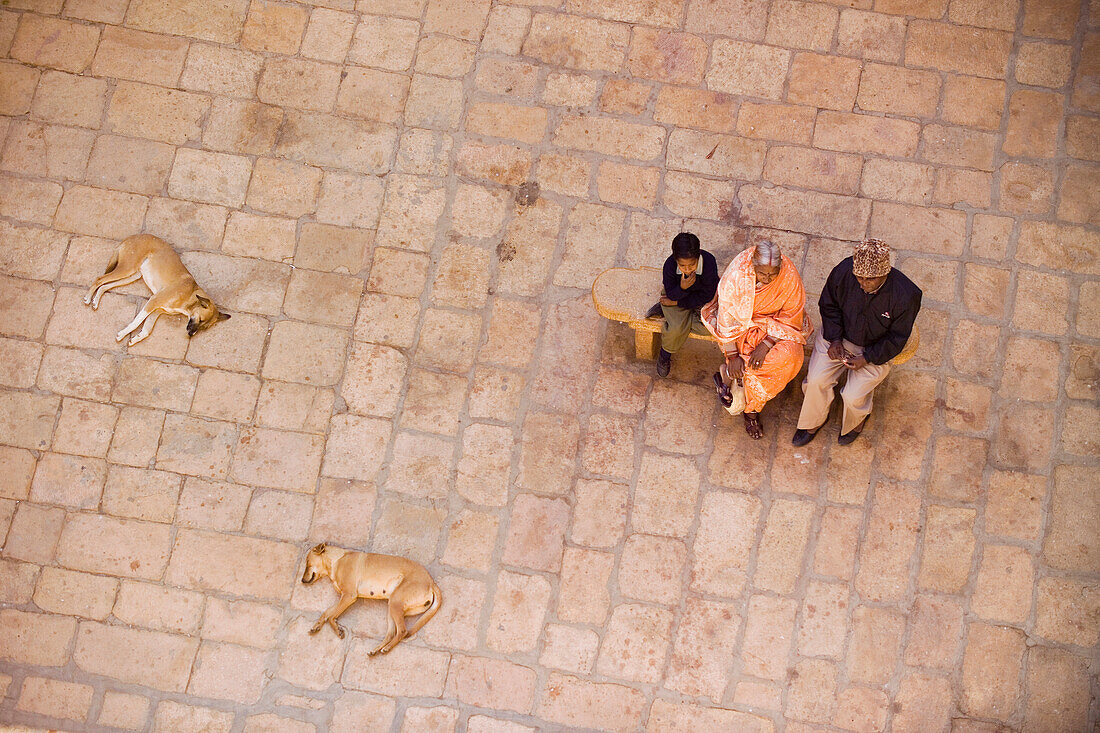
(880, 322)
(701, 291)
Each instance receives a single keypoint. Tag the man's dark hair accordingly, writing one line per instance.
(685, 246)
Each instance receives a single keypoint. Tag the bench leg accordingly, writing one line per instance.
(645, 345)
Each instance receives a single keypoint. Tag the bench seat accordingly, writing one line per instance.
(624, 294)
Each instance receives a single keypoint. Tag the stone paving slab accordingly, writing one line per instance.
(403, 204)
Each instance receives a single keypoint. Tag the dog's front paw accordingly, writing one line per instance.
(315, 629)
(119, 337)
(340, 631)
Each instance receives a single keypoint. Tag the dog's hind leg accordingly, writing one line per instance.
(396, 625)
(106, 282)
(397, 619)
(437, 599)
(390, 631)
(403, 601)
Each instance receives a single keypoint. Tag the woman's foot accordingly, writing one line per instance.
(752, 425)
(723, 389)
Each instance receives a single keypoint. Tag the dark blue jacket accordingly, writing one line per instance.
(701, 292)
(881, 322)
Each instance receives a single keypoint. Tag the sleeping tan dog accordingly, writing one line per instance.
(405, 583)
(174, 290)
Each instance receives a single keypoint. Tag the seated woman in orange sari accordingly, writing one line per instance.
(759, 320)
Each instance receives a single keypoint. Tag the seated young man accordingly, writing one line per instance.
(690, 280)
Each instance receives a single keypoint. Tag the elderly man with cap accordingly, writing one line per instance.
(867, 312)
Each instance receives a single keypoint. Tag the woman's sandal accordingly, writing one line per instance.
(752, 425)
(723, 389)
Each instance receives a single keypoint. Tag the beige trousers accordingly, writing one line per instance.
(823, 374)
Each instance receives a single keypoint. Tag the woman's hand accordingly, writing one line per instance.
(756, 358)
(686, 281)
(735, 366)
(667, 301)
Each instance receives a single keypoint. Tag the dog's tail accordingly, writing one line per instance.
(437, 601)
(112, 264)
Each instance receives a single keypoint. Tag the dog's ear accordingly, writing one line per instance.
(224, 316)
(319, 548)
(203, 302)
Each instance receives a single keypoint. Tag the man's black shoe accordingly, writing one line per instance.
(802, 437)
(849, 438)
(664, 363)
(654, 311)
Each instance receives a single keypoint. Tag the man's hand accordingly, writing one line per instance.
(836, 350)
(735, 366)
(855, 362)
(756, 359)
(667, 301)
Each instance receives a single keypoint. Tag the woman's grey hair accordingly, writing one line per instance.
(767, 254)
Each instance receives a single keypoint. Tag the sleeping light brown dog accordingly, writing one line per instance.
(405, 583)
(174, 290)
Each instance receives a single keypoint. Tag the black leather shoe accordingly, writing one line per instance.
(849, 438)
(664, 363)
(802, 437)
(654, 311)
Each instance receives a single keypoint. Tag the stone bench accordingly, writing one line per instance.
(624, 294)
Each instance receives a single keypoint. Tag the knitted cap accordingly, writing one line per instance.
(871, 259)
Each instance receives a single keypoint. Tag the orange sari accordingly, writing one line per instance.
(740, 316)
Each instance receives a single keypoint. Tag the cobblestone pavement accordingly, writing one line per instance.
(414, 365)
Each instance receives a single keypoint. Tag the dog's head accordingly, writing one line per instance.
(315, 566)
(202, 314)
